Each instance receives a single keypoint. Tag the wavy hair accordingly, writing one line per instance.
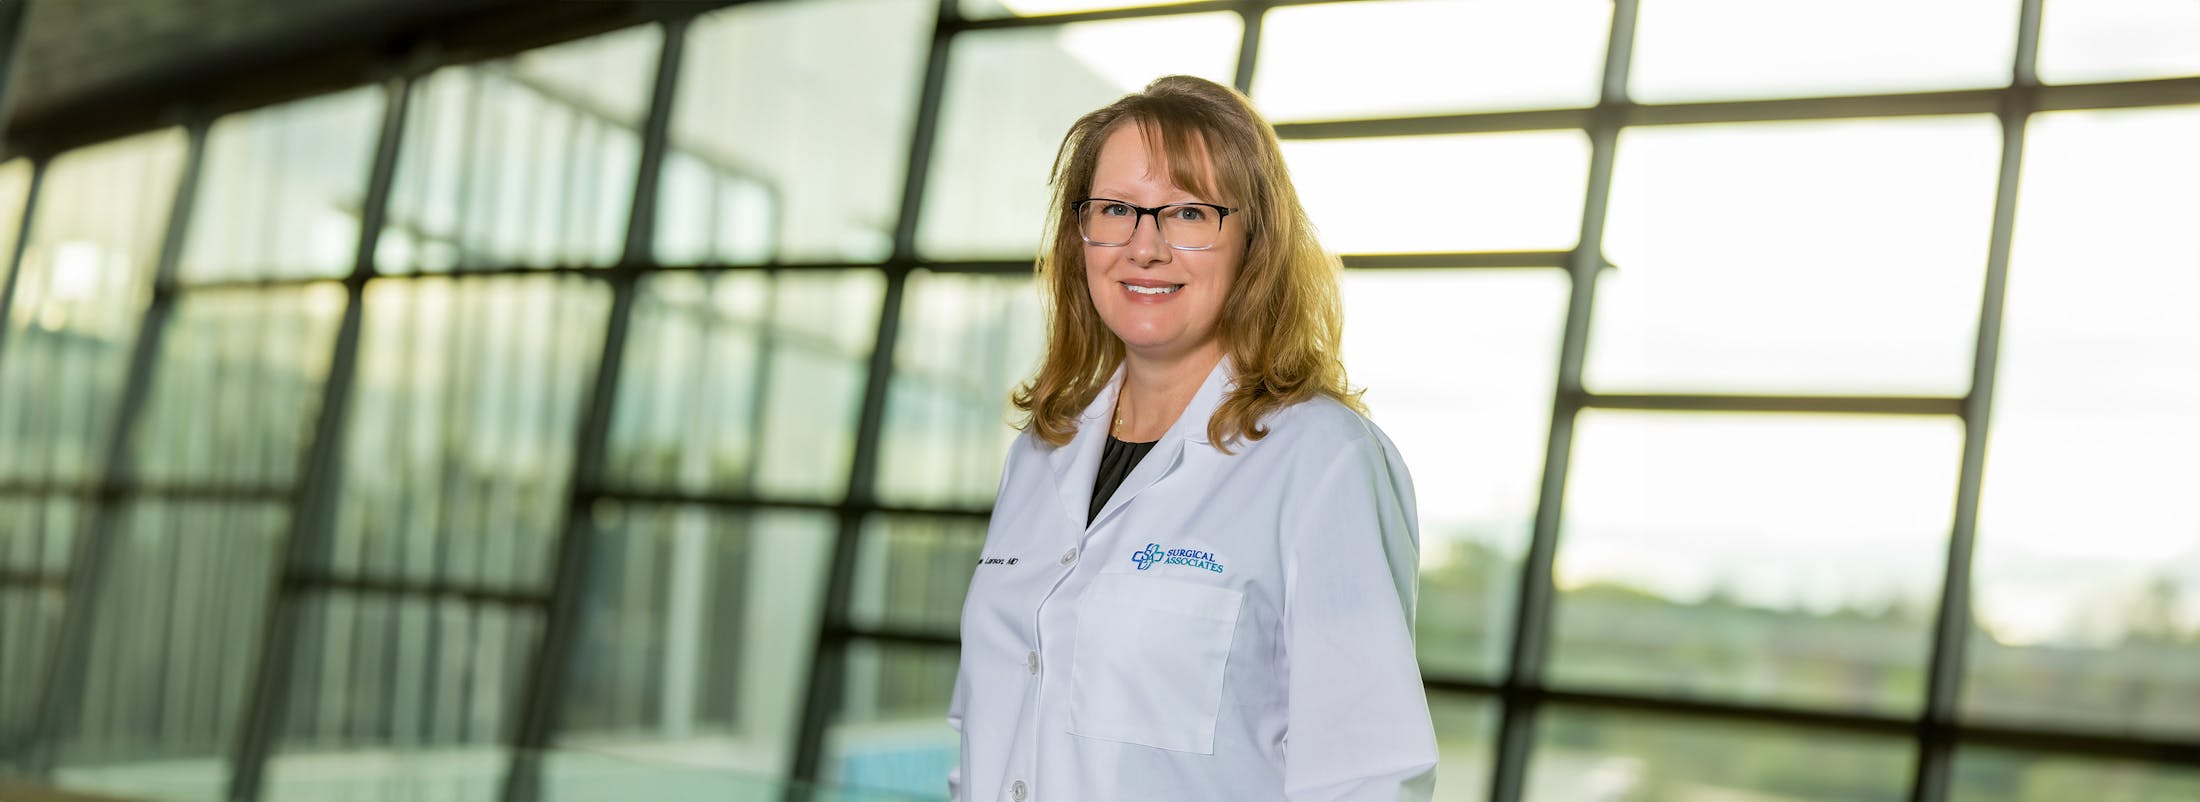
(1283, 320)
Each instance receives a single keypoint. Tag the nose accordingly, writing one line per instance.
(1146, 247)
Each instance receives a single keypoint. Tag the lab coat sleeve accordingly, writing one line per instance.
(1358, 726)
(955, 719)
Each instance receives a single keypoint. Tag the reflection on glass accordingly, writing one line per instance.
(1732, 49)
(1466, 740)
(1476, 192)
(1400, 57)
(891, 733)
(15, 185)
(2088, 562)
(1760, 558)
(188, 583)
(1011, 95)
(80, 294)
(237, 386)
(912, 572)
(280, 192)
(459, 445)
(745, 383)
(521, 162)
(1992, 775)
(1834, 257)
(2114, 40)
(791, 133)
(1584, 755)
(696, 634)
(1473, 425)
(966, 342)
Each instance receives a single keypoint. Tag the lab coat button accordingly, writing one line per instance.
(1069, 556)
(1031, 661)
(1019, 791)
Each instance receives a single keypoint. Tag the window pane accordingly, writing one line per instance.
(1833, 257)
(2113, 40)
(80, 293)
(1994, 775)
(1473, 433)
(913, 571)
(1731, 49)
(993, 9)
(459, 446)
(1347, 59)
(966, 343)
(791, 134)
(745, 383)
(15, 185)
(281, 188)
(1466, 743)
(1764, 558)
(37, 531)
(1476, 192)
(1010, 97)
(237, 387)
(528, 161)
(696, 634)
(1588, 755)
(2088, 562)
(891, 733)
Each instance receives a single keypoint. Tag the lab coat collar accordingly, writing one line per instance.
(1077, 464)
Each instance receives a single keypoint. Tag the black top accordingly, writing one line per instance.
(1116, 462)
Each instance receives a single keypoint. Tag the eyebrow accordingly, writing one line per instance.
(1125, 197)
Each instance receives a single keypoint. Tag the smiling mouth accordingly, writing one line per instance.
(1143, 290)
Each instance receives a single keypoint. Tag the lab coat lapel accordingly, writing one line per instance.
(1077, 464)
(1189, 431)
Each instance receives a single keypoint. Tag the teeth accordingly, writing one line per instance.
(1153, 290)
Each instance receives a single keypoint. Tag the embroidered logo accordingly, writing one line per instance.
(1153, 555)
(996, 560)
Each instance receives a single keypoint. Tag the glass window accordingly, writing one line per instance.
(2088, 561)
(15, 186)
(745, 383)
(237, 386)
(791, 134)
(966, 343)
(1733, 49)
(1409, 57)
(80, 293)
(696, 633)
(1466, 742)
(1813, 257)
(913, 571)
(281, 190)
(1792, 559)
(991, 9)
(1995, 775)
(1474, 192)
(1587, 755)
(30, 615)
(459, 444)
(528, 161)
(37, 531)
(890, 733)
(1473, 432)
(1010, 97)
(2114, 40)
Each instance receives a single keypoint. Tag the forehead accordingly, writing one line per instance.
(1142, 155)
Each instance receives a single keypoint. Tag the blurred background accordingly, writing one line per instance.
(483, 399)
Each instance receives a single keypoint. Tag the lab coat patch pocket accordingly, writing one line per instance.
(1150, 659)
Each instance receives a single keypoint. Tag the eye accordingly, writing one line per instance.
(1190, 214)
(1113, 209)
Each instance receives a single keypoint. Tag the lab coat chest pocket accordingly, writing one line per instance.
(1151, 653)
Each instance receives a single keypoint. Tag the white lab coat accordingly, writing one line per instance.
(1231, 627)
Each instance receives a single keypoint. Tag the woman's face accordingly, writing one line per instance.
(1163, 303)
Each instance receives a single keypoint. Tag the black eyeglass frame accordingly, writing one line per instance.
(1077, 210)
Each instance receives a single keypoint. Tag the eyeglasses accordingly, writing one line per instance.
(1184, 226)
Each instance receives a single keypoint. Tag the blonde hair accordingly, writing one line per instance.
(1283, 321)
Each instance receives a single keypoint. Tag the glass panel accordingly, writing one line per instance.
(1732, 49)
(1585, 755)
(522, 162)
(237, 387)
(1835, 257)
(80, 293)
(2113, 40)
(913, 571)
(966, 343)
(1466, 744)
(2088, 562)
(1994, 775)
(1012, 94)
(30, 621)
(175, 641)
(1346, 59)
(1789, 559)
(791, 134)
(991, 9)
(696, 634)
(462, 424)
(1477, 192)
(15, 185)
(890, 733)
(745, 383)
(37, 532)
(1473, 432)
(281, 189)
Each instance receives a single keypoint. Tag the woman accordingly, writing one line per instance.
(1198, 580)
